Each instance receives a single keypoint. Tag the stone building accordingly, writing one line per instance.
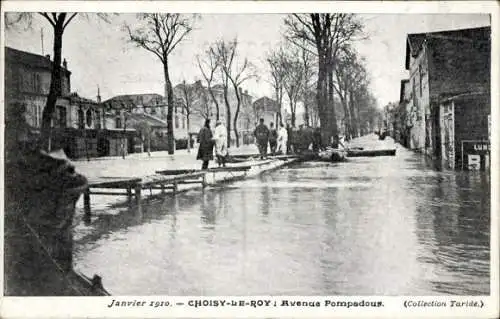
(80, 126)
(442, 65)
(27, 82)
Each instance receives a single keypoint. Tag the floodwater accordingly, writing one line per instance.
(373, 226)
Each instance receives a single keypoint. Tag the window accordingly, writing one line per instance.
(118, 122)
(81, 119)
(60, 116)
(88, 116)
(97, 120)
(176, 121)
(37, 83)
(183, 122)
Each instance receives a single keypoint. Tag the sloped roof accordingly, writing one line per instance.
(74, 97)
(29, 59)
(151, 120)
(267, 104)
(132, 100)
(415, 41)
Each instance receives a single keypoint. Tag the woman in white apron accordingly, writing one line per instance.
(220, 136)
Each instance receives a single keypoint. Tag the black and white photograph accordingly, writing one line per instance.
(325, 158)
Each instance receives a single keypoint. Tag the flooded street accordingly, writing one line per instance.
(372, 226)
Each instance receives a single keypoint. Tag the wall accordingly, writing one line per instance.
(31, 85)
(419, 100)
(471, 120)
(458, 66)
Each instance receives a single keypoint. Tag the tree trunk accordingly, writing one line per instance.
(321, 101)
(306, 113)
(354, 120)
(235, 119)
(149, 143)
(217, 114)
(333, 116)
(55, 84)
(228, 117)
(293, 112)
(279, 99)
(170, 108)
(188, 136)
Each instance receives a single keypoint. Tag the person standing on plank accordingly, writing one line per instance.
(206, 148)
(220, 136)
(282, 139)
(261, 133)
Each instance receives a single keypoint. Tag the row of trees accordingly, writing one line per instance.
(322, 55)
(159, 34)
(319, 52)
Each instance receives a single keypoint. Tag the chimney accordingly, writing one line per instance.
(65, 64)
(47, 57)
(98, 95)
(246, 92)
(240, 89)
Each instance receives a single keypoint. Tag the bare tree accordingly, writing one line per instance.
(59, 22)
(275, 60)
(324, 34)
(191, 96)
(160, 33)
(350, 76)
(293, 80)
(208, 68)
(306, 59)
(203, 107)
(235, 74)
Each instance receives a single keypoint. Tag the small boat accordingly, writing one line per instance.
(361, 153)
(333, 155)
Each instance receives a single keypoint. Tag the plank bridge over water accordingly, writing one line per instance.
(166, 180)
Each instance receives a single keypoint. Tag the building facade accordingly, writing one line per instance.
(442, 65)
(27, 82)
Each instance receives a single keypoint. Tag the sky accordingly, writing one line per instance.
(99, 55)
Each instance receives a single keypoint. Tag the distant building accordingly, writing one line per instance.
(267, 109)
(27, 81)
(205, 107)
(80, 126)
(443, 65)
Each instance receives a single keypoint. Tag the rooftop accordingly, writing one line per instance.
(132, 100)
(30, 59)
(415, 41)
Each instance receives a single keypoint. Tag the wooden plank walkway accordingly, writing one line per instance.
(163, 180)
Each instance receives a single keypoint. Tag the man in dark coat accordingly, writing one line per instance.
(206, 148)
(261, 133)
(273, 138)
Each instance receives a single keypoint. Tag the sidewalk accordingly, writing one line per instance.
(140, 164)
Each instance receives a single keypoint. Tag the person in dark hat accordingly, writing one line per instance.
(261, 133)
(206, 148)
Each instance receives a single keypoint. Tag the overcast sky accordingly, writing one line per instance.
(99, 55)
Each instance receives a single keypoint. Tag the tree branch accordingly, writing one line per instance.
(69, 20)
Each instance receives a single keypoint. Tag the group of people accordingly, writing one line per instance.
(276, 139)
(209, 141)
(280, 141)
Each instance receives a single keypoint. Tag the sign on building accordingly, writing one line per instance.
(475, 155)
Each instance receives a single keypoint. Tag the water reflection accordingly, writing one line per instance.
(377, 226)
